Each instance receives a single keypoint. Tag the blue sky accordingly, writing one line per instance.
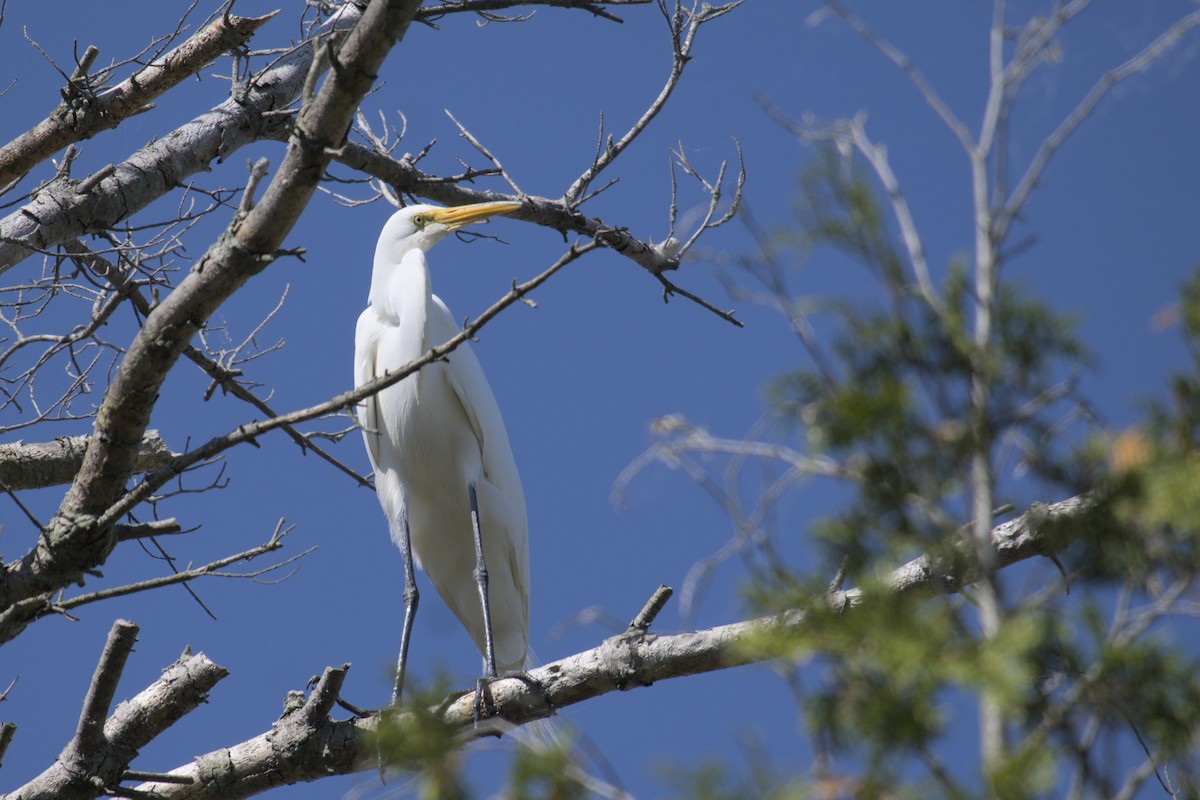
(579, 377)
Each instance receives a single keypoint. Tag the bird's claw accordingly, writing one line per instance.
(361, 713)
(483, 699)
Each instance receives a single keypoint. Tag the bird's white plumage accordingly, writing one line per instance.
(437, 431)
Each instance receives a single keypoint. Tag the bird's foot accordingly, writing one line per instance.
(484, 705)
(361, 713)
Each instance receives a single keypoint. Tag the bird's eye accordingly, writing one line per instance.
(419, 220)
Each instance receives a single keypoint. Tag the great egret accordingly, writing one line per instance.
(444, 470)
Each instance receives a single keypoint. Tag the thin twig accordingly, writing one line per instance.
(211, 569)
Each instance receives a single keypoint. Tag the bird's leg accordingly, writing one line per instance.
(481, 581)
(411, 599)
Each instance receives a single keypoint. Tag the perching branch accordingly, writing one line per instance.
(306, 745)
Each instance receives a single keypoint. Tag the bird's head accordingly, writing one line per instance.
(420, 227)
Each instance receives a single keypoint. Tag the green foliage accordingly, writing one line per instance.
(418, 740)
(1151, 686)
(1070, 664)
(546, 771)
(896, 405)
(756, 777)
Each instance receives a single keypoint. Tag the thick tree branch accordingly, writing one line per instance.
(42, 464)
(85, 111)
(7, 731)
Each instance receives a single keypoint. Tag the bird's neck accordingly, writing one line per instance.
(400, 293)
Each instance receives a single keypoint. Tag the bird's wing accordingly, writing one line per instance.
(471, 387)
(479, 405)
(366, 349)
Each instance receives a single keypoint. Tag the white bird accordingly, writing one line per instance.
(444, 469)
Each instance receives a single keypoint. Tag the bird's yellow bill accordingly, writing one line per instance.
(456, 217)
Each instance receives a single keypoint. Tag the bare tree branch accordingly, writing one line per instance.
(222, 376)
(483, 6)
(901, 60)
(1037, 165)
(404, 177)
(7, 731)
(851, 136)
(683, 24)
(306, 745)
(143, 530)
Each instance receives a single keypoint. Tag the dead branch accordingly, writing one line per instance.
(1033, 173)
(484, 6)
(851, 136)
(683, 24)
(7, 731)
(143, 530)
(402, 175)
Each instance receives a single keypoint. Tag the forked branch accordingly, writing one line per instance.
(97, 758)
